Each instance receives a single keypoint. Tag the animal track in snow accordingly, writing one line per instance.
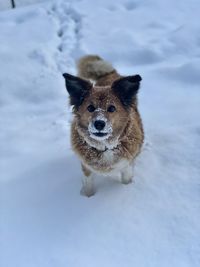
(69, 25)
(131, 5)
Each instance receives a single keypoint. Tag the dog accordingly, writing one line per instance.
(106, 132)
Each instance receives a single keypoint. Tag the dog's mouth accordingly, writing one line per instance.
(100, 134)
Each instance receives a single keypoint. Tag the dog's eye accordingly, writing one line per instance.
(111, 108)
(91, 108)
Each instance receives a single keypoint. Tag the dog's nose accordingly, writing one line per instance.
(99, 125)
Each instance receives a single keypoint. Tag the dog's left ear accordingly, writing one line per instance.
(126, 88)
(77, 88)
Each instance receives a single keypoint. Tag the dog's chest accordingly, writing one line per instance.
(108, 162)
(108, 159)
(108, 156)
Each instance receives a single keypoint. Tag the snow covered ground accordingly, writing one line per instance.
(44, 221)
(7, 4)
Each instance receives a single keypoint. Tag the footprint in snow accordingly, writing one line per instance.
(131, 5)
(60, 33)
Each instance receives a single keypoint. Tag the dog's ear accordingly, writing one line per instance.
(126, 88)
(77, 88)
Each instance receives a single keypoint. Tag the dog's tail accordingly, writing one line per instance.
(93, 67)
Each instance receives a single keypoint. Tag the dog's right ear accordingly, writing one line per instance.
(77, 88)
(126, 88)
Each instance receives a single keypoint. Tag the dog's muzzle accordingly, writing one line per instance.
(100, 129)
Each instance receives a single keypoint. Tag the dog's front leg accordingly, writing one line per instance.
(87, 183)
(127, 175)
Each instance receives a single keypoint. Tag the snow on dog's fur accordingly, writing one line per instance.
(106, 132)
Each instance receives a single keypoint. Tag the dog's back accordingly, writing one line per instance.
(95, 68)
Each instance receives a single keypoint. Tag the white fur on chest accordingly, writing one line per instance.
(118, 167)
(108, 156)
(111, 159)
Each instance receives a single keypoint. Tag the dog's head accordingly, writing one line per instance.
(102, 112)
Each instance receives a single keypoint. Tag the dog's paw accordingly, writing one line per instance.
(87, 193)
(127, 175)
(126, 180)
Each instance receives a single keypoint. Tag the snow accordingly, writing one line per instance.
(7, 4)
(44, 221)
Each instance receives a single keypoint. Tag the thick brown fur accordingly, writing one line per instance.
(126, 140)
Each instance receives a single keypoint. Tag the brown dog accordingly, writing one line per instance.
(106, 132)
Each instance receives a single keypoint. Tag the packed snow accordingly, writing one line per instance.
(44, 221)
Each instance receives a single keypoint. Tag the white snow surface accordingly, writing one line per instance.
(7, 4)
(44, 221)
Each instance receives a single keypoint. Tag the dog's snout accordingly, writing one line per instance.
(99, 125)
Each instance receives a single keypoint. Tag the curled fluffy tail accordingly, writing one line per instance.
(93, 67)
